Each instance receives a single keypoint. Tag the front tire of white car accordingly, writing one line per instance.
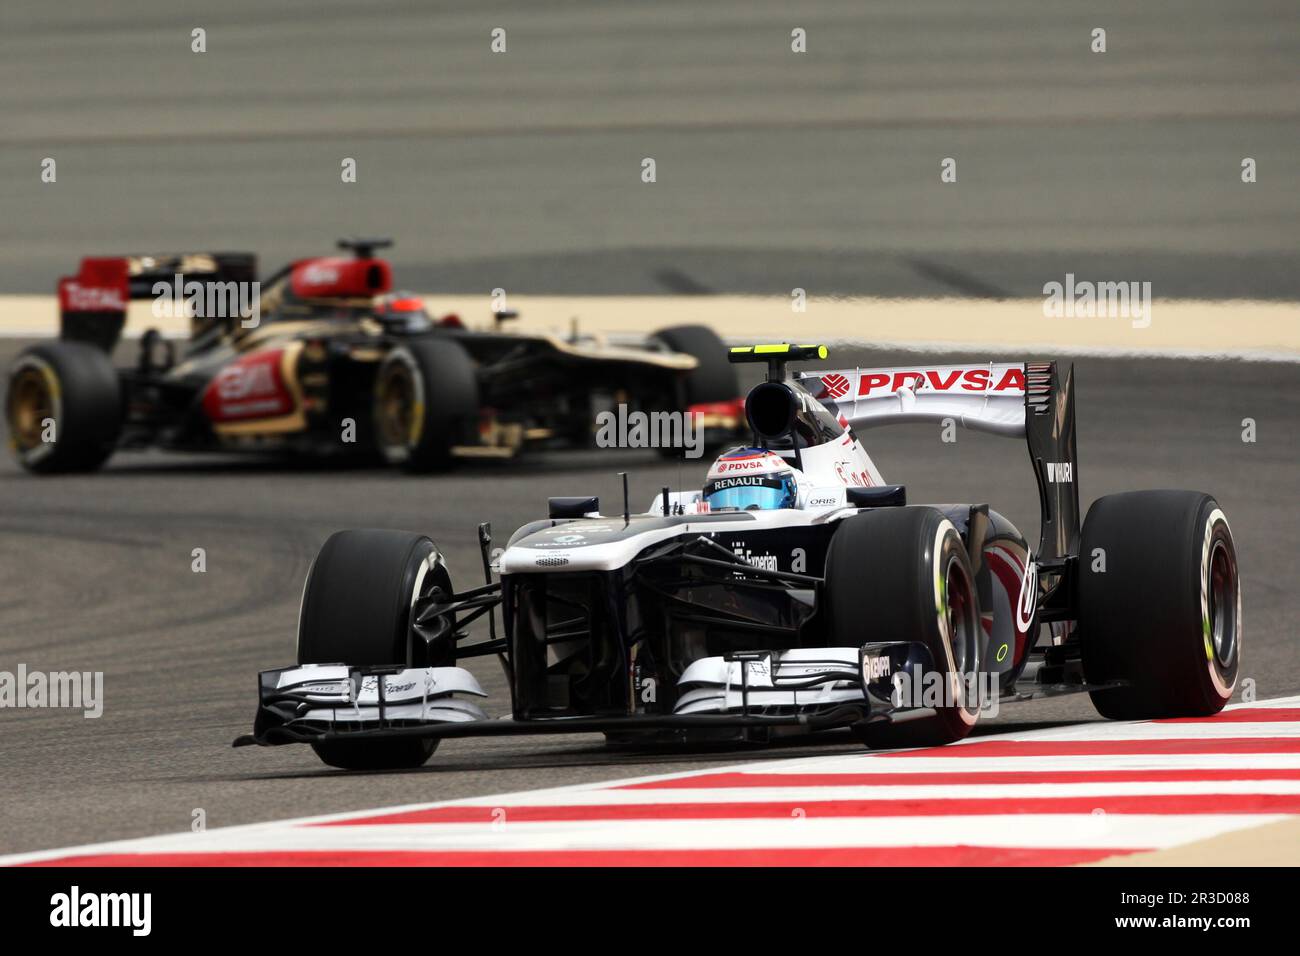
(903, 574)
(356, 610)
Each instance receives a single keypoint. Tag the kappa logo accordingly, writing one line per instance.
(1060, 472)
(834, 386)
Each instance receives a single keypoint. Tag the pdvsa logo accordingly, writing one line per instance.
(749, 464)
(834, 386)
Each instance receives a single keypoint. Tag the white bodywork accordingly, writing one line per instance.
(425, 694)
(716, 685)
(987, 397)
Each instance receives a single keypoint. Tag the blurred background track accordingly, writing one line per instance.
(521, 170)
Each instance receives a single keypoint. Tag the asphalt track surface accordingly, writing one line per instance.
(97, 573)
(775, 170)
(522, 170)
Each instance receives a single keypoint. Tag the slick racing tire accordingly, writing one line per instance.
(714, 378)
(356, 610)
(1159, 604)
(63, 407)
(902, 574)
(425, 403)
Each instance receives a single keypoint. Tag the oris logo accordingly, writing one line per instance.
(834, 386)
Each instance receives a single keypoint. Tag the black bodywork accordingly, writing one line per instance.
(532, 390)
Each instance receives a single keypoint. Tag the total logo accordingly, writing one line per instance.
(93, 298)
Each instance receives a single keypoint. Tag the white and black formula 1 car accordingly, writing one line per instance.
(797, 591)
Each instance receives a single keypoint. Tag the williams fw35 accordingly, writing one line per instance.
(322, 358)
(796, 591)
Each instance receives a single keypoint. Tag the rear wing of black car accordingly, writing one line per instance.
(93, 303)
(1033, 400)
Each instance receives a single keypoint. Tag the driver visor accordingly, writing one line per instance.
(750, 492)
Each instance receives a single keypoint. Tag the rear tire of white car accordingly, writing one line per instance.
(1159, 604)
(902, 574)
(426, 403)
(356, 610)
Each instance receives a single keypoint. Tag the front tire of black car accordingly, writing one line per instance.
(356, 609)
(425, 403)
(1159, 604)
(63, 407)
(903, 574)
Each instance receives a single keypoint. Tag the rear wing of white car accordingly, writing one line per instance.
(1033, 400)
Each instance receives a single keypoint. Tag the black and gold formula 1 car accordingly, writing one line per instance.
(323, 358)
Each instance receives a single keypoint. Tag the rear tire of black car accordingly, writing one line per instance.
(1159, 604)
(74, 386)
(356, 610)
(425, 403)
(714, 378)
(903, 574)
